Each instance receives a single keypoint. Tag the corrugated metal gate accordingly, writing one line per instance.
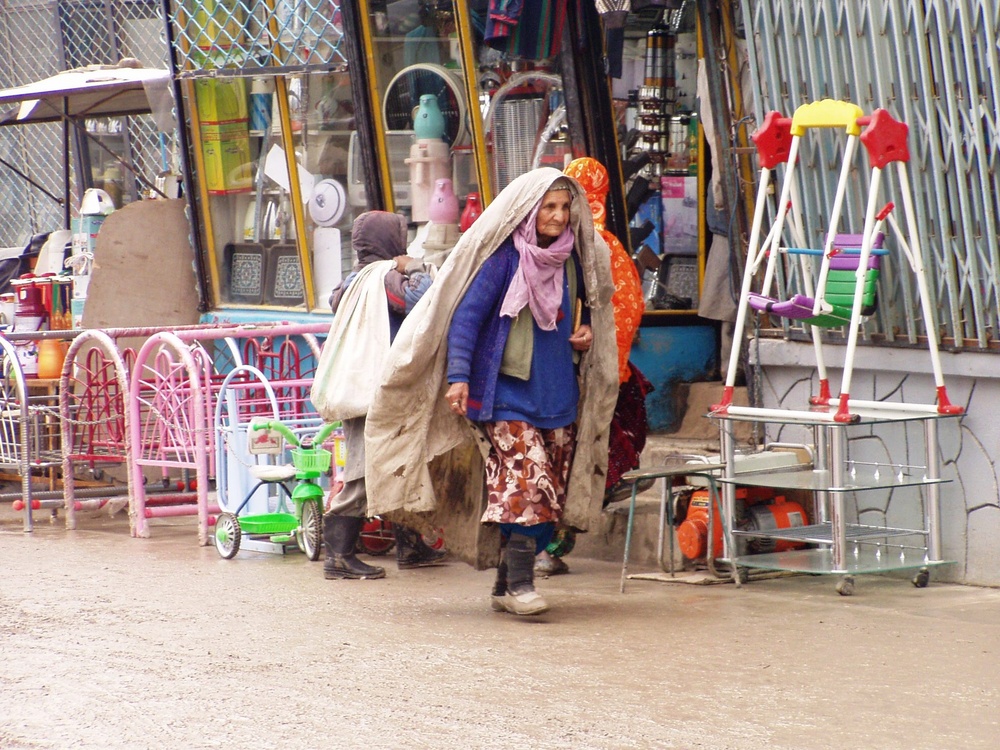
(935, 65)
(39, 39)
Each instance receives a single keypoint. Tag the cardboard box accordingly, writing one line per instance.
(84, 229)
(226, 150)
(221, 100)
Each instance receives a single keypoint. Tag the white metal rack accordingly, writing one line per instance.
(839, 546)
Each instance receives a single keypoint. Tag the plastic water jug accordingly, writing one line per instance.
(51, 355)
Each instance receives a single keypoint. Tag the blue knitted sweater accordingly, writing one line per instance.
(477, 337)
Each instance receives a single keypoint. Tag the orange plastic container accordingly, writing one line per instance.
(692, 533)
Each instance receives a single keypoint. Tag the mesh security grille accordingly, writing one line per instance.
(256, 34)
(64, 35)
(932, 64)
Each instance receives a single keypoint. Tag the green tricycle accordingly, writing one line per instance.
(304, 526)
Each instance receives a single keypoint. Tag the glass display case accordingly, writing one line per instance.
(477, 131)
(407, 101)
(419, 97)
(268, 96)
(275, 157)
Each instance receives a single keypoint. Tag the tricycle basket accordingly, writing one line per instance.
(268, 523)
(311, 459)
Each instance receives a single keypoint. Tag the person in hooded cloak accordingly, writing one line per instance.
(515, 339)
(629, 426)
(386, 276)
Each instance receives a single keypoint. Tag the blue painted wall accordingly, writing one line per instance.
(262, 315)
(669, 355)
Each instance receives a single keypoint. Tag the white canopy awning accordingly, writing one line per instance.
(87, 92)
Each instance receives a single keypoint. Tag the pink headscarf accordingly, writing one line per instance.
(538, 281)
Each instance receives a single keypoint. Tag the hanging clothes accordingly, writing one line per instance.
(526, 29)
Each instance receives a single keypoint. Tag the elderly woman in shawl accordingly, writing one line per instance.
(516, 336)
(629, 425)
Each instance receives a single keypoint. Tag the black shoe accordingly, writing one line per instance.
(413, 552)
(340, 536)
(350, 567)
(622, 490)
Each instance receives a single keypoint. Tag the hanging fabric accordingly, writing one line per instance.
(526, 29)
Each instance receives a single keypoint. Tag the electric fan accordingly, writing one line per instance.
(402, 97)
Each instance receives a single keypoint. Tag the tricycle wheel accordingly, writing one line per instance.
(376, 537)
(309, 535)
(227, 535)
(922, 578)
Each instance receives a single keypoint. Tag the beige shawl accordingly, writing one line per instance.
(419, 455)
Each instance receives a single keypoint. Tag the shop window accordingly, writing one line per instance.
(420, 96)
(275, 157)
(479, 133)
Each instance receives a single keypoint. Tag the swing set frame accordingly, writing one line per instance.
(777, 142)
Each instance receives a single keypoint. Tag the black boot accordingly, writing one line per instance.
(500, 584)
(412, 552)
(340, 536)
(521, 597)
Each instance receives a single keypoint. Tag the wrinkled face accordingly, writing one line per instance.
(553, 216)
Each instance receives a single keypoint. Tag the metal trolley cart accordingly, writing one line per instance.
(868, 460)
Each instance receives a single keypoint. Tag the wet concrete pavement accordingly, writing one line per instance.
(113, 642)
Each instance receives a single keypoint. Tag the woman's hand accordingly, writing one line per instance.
(582, 338)
(458, 398)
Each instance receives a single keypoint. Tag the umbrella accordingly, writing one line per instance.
(96, 91)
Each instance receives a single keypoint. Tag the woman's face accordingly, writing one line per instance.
(553, 216)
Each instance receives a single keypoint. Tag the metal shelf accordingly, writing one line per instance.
(822, 533)
(820, 561)
(821, 416)
(843, 548)
(815, 480)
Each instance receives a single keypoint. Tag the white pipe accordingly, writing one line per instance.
(859, 287)
(838, 204)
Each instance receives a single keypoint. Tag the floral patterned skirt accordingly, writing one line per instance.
(527, 472)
